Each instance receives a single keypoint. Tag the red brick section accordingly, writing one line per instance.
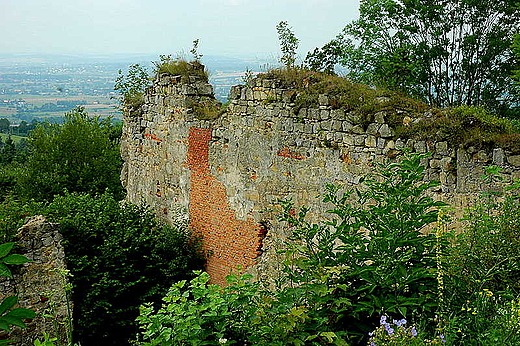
(230, 242)
(286, 152)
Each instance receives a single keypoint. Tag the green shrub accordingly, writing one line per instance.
(13, 212)
(387, 264)
(131, 86)
(466, 125)
(336, 279)
(82, 155)
(482, 269)
(181, 67)
(119, 257)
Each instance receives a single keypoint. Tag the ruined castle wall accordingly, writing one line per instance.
(41, 285)
(230, 171)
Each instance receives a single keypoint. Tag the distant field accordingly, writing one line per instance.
(6, 112)
(15, 138)
(101, 106)
(39, 100)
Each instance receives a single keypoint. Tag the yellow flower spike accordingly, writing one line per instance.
(474, 313)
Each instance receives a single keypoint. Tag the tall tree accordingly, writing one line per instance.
(79, 156)
(516, 50)
(449, 52)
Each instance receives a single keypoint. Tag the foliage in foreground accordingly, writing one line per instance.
(343, 277)
(119, 257)
(9, 315)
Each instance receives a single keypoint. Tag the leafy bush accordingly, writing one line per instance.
(181, 67)
(199, 314)
(387, 264)
(13, 212)
(482, 269)
(119, 257)
(8, 316)
(82, 155)
(132, 85)
(338, 275)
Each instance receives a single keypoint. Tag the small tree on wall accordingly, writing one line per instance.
(288, 43)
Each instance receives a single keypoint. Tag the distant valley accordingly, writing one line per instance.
(43, 87)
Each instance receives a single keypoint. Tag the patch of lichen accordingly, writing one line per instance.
(411, 118)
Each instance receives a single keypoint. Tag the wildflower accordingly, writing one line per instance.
(400, 323)
(389, 329)
(443, 339)
(382, 320)
(222, 340)
(413, 331)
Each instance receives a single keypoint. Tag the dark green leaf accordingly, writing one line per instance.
(4, 271)
(15, 259)
(5, 249)
(22, 313)
(8, 303)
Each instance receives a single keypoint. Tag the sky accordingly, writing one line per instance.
(224, 27)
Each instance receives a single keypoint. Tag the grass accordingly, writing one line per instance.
(15, 138)
(207, 109)
(181, 67)
(343, 94)
(410, 117)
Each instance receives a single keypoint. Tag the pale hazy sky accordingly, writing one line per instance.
(230, 27)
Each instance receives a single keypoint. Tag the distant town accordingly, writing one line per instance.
(35, 88)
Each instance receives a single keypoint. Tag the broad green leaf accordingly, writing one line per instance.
(15, 321)
(4, 271)
(5, 249)
(4, 325)
(15, 259)
(8, 303)
(22, 313)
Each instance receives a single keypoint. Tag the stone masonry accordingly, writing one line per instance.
(230, 170)
(39, 284)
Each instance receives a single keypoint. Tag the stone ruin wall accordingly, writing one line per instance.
(39, 284)
(230, 171)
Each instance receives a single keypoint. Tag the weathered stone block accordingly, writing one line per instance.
(370, 141)
(373, 128)
(514, 160)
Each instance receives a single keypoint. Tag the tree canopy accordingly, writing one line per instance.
(82, 155)
(449, 52)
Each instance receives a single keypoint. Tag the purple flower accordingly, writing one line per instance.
(400, 323)
(442, 338)
(389, 329)
(413, 331)
(382, 320)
